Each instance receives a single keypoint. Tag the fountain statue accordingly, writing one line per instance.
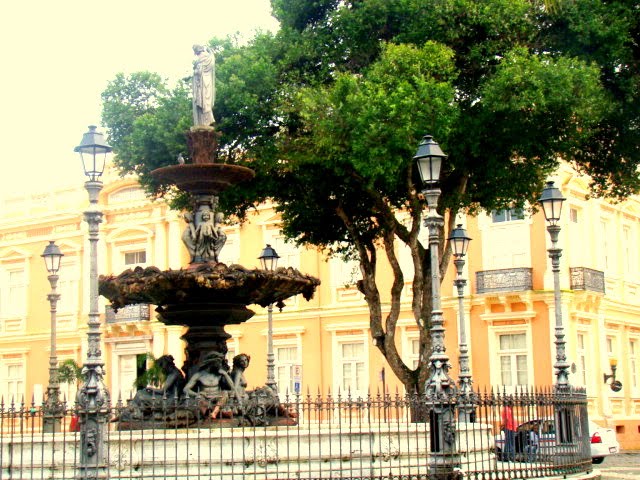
(205, 296)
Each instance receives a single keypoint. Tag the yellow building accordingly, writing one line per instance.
(324, 344)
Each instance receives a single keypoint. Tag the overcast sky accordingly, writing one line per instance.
(58, 55)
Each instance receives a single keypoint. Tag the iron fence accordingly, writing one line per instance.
(314, 437)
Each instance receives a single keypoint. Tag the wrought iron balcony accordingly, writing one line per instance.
(130, 313)
(504, 280)
(583, 278)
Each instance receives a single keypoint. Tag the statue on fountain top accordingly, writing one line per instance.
(204, 87)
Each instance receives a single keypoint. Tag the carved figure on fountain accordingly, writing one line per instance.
(155, 404)
(189, 234)
(210, 385)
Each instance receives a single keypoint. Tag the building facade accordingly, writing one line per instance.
(324, 345)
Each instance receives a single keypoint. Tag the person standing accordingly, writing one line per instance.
(533, 443)
(509, 429)
(204, 88)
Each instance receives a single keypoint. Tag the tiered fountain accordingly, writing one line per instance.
(205, 297)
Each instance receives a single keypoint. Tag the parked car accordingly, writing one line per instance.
(603, 441)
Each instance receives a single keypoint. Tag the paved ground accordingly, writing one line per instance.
(624, 466)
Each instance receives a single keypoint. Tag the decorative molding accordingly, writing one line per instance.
(5, 352)
(525, 317)
(137, 340)
(295, 330)
(130, 216)
(13, 253)
(349, 326)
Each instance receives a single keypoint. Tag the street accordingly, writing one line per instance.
(621, 467)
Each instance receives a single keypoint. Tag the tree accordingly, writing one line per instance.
(152, 375)
(329, 112)
(70, 372)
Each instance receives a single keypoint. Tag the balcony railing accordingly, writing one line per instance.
(504, 280)
(130, 313)
(587, 279)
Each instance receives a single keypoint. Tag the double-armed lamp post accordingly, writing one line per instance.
(269, 261)
(53, 407)
(93, 397)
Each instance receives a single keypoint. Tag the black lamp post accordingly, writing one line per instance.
(52, 408)
(93, 397)
(551, 201)
(440, 388)
(269, 261)
(459, 241)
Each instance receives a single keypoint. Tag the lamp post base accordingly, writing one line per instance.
(52, 423)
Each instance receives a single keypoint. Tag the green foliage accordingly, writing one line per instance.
(128, 97)
(607, 34)
(299, 14)
(380, 115)
(153, 374)
(69, 371)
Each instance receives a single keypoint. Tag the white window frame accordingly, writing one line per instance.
(69, 290)
(578, 235)
(494, 352)
(122, 347)
(605, 260)
(230, 253)
(13, 321)
(289, 366)
(286, 337)
(509, 214)
(11, 357)
(289, 254)
(129, 194)
(629, 252)
(339, 336)
(135, 252)
(343, 278)
(582, 359)
(505, 244)
(574, 214)
(233, 345)
(634, 365)
(126, 240)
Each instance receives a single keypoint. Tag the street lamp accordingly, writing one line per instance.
(440, 388)
(615, 385)
(551, 201)
(93, 396)
(269, 260)
(460, 243)
(52, 407)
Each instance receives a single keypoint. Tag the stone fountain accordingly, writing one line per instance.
(204, 297)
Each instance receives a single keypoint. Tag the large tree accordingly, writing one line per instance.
(329, 112)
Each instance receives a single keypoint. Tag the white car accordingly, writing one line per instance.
(603, 442)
